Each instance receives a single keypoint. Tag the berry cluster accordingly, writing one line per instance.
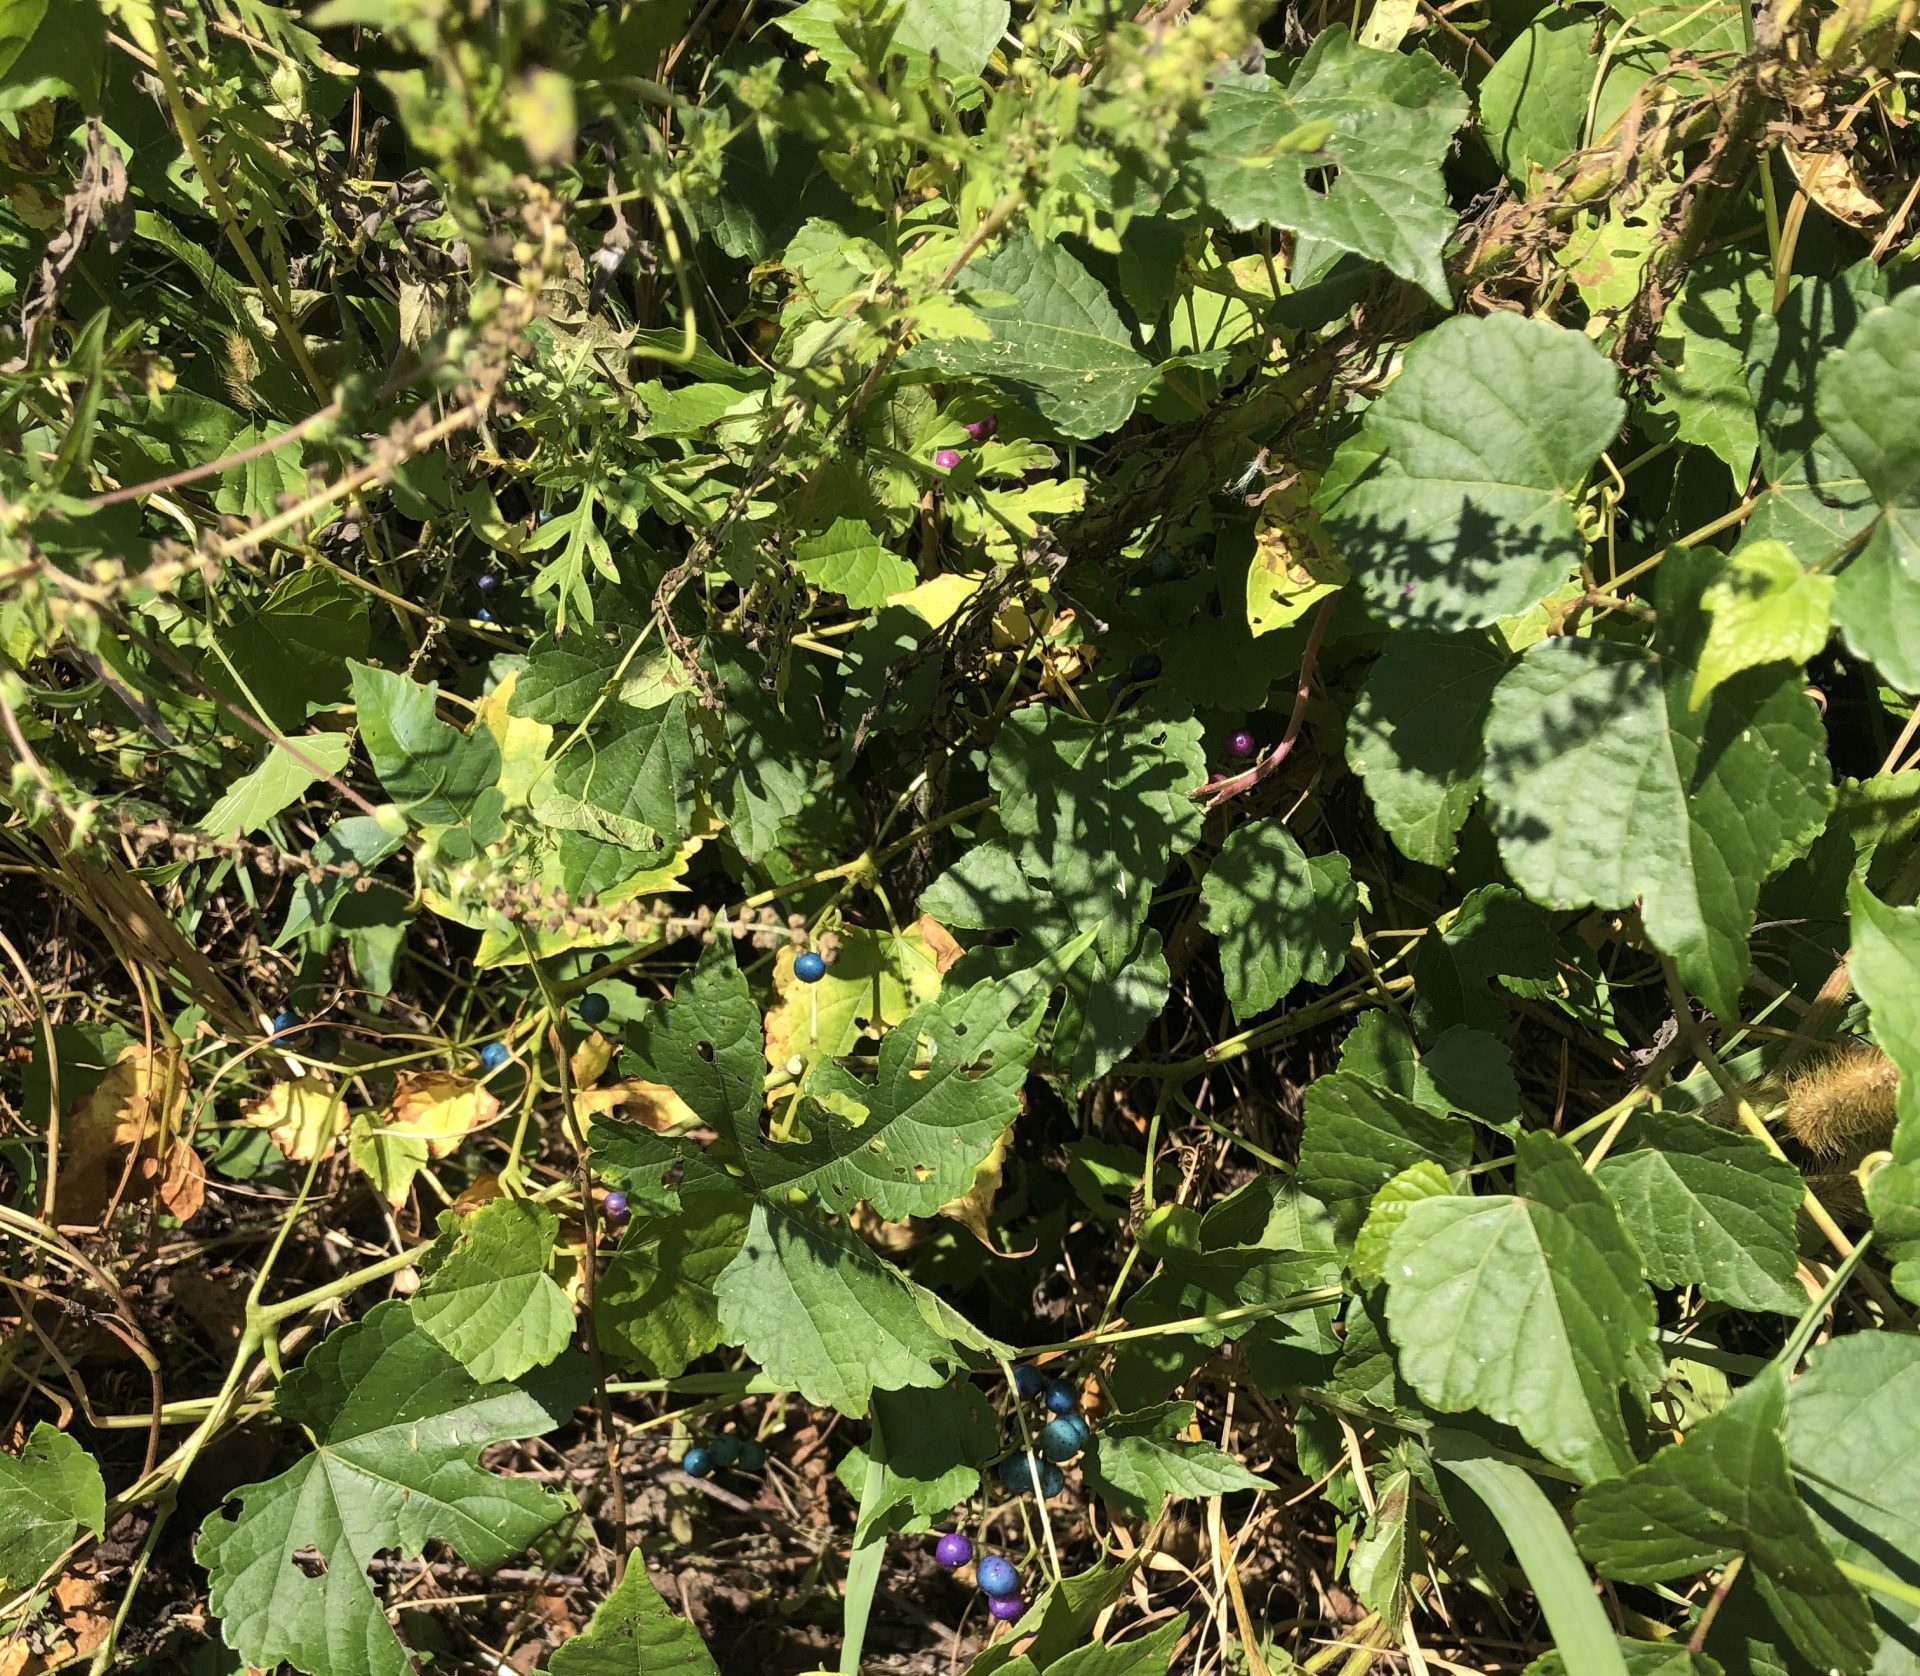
(998, 1581)
(945, 459)
(726, 1450)
(1062, 1437)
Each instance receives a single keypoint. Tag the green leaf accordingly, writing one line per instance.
(1061, 1622)
(654, 1306)
(1723, 1491)
(1642, 1658)
(1424, 1180)
(1138, 1464)
(396, 1423)
(280, 779)
(1383, 121)
(1763, 608)
(1606, 786)
(630, 780)
(1535, 101)
(821, 1312)
(295, 652)
(1528, 1307)
(1704, 344)
(1357, 1137)
(1885, 966)
(560, 683)
(1414, 736)
(706, 1044)
(1710, 1208)
(1057, 340)
(1497, 934)
(1853, 1446)
(633, 1634)
(1454, 502)
(1282, 917)
(1378, 1568)
(1869, 402)
(49, 1492)
(485, 1295)
(430, 768)
(958, 34)
(848, 559)
(934, 1444)
(1538, 1536)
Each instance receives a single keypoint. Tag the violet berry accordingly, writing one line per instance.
(487, 581)
(981, 429)
(1005, 1608)
(953, 1550)
(946, 458)
(615, 1205)
(1240, 743)
(997, 1578)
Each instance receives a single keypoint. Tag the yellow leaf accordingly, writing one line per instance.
(304, 1117)
(937, 600)
(590, 1061)
(650, 1103)
(874, 981)
(523, 744)
(1294, 566)
(135, 1107)
(388, 1160)
(439, 1108)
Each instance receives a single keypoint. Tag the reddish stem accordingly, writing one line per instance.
(1225, 786)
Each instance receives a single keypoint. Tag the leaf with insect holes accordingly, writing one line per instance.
(396, 1423)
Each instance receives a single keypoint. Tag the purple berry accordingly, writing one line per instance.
(615, 1205)
(981, 429)
(1240, 743)
(946, 458)
(953, 1550)
(487, 582)
(996, 1576)
(1005, 1608)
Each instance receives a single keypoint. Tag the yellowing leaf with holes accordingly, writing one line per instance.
(1294, 565)
(523, 744)
(304, 1117)
(651, 1104)
(874, 982)
(439, 1108)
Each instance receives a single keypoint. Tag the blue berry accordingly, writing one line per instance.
(1060, 1397)
(753, 1455)
(953, 1550)
(1028, 1381)
(494, 1055)
(483, 615)
(487, 582)
(283, 1022)
(1016, 1474)
(615, 1204)
(1052, 1481)
(997, 1578)
(697, 1462)
(726, 1449)
(810, 967)
(1146, 667)
(1065, 1437)
(1005, 1608)
(593, 1009)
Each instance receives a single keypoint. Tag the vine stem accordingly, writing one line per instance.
(1220, 790)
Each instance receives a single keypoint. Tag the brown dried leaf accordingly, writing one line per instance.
(1832, 180)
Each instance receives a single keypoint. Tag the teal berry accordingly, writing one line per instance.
(810, 967)
(1060, 1397)
(593, 1009)
(697, 1462)
(1016, 1475)
(1052, 1481)
(753, 1456)
(996, 1577)
(1063, 1438)
(494, 1055)
(726, 1449)
(483, 615)
(1028, 1382)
